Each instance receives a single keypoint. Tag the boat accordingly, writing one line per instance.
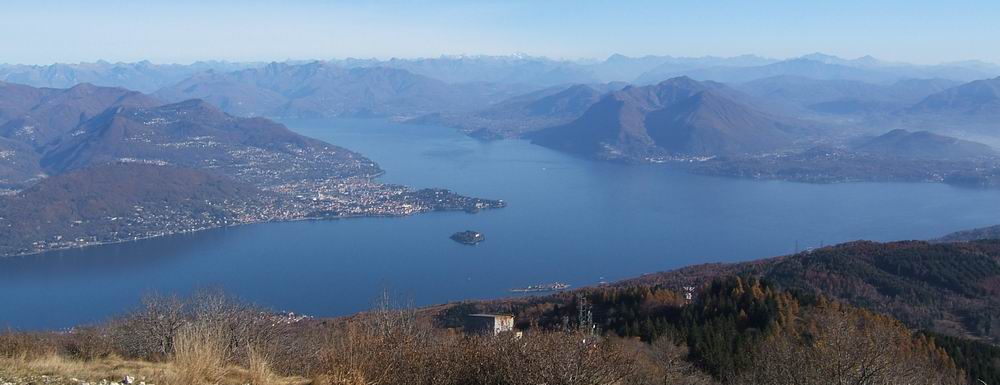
(556, 286)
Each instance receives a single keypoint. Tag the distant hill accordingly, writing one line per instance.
(678, 117)
(983, 233)
(118, 201)
(977, 98)
(140, 76)
(793, 67)
(196, 134)
(38, 116)
(46, 131)
(525, 113)
(33, 118)
(924, 145)
(836, 96)
(320, 89)
(951, 288)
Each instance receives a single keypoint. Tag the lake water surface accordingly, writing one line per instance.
(568, 220)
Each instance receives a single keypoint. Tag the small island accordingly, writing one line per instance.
(468, 237)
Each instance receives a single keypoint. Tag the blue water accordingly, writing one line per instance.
(568, 220)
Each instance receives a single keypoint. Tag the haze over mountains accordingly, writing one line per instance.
(924, 145)
(140, 76)
(679, 116)
(649, 108)
(977, 98)
(804, 95)
(525, 113)
(320, 89)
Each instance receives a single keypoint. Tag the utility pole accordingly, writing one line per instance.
(585, 317)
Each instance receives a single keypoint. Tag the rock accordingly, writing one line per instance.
(128, 380)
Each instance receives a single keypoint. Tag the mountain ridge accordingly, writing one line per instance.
(677, 117)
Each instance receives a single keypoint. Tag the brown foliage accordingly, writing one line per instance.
(389, 346)
(22, 345)
(844, 345)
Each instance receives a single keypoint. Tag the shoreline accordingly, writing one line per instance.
(192, 231)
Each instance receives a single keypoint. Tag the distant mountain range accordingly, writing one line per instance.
(319, 89)
(581, 106)
(514, 69)
(650, 69)
(981, 97)
(799, 94)
(140, 76)
(677, 117)
(825, 67)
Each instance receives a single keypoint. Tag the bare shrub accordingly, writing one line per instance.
(25, 346)
(298, 349)
(388, 345)
(149, 332)
(88, 343)
(545, 357)
(244, 325)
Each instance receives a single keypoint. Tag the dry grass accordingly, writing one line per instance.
(199, 355)
(66, 369)
(259, 367)
(62, 370)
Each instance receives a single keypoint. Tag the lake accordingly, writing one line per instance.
(568, 220)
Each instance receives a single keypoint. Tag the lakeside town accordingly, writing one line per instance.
(332, 198)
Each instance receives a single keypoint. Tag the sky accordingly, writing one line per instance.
(183, 31)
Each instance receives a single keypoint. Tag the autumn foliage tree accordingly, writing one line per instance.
(839, 344)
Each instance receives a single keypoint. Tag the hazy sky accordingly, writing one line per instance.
(924, 31)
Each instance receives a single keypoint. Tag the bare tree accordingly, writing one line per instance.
(149, 332)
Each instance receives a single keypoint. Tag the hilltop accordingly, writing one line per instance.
(678, 117)
(38, 116)
(197, 134)
(924, 145)
(980, 97)
(523, 114)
